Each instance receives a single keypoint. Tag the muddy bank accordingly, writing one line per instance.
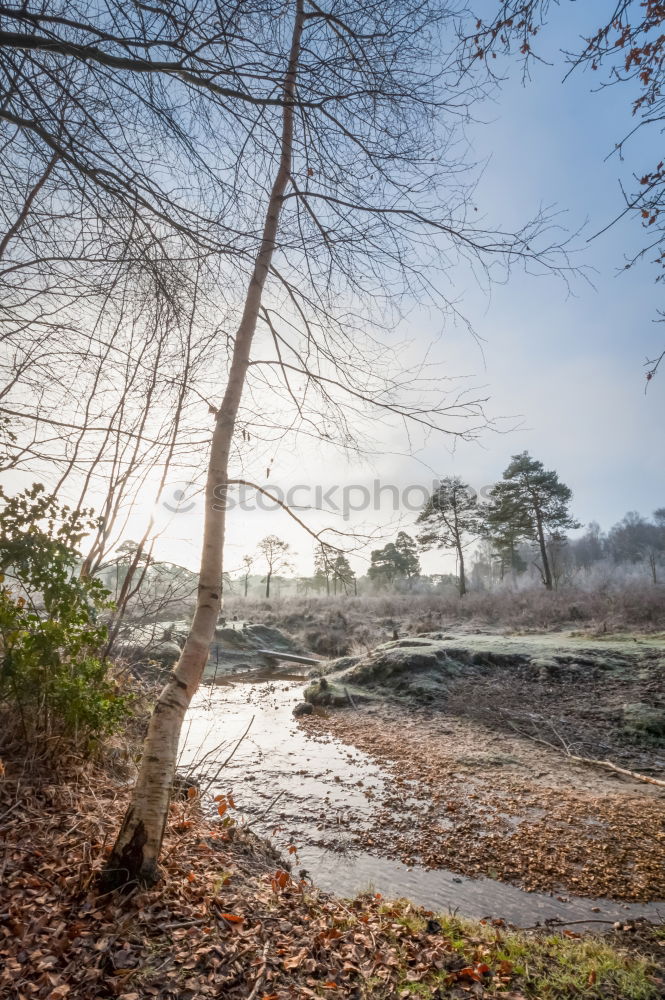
(247, 646)
(594, 698)
(465, 797)
(332, 792)
(476, 733)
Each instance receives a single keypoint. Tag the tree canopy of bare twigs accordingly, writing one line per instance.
(136, 156)
(259, 191)
(626, 48)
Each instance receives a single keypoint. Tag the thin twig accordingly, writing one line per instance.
(266, 810)
(261, 975)
(590, 760)
(225, 762)
(562, 922)
(182, 923)
(10, 810)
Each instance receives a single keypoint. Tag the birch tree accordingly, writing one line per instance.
(136, 850)
(317, 187)
(363, 209)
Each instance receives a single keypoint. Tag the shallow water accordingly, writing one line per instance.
(314, 793)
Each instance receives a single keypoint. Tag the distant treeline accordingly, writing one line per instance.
(518, 537)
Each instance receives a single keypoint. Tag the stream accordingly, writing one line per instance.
(315, 793)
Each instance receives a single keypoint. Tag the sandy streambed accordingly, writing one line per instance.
(357, 807)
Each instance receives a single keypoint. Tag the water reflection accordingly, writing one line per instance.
(315, 793)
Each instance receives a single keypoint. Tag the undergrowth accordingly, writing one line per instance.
(56, 685)
(546, 966)
(338, 626)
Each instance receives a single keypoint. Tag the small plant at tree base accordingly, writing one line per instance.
(52, 675)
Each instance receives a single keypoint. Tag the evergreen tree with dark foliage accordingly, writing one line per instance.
(342, 574)
(384, 565)
(396, 560)
(408, 552)
(505, 524)
(539, 502)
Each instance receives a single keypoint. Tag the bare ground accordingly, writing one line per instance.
(482, 802)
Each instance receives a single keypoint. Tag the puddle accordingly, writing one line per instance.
(317, 794)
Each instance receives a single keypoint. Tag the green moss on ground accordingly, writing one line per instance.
(322, 692)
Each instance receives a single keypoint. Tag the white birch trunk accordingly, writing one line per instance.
(136, 851)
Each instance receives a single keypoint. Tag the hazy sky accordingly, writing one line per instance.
(564, 363)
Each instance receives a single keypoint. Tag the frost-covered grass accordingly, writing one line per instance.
(337, 626)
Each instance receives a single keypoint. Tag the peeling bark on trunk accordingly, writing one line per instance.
(136, 851)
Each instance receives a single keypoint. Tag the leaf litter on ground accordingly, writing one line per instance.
(481, 803)
(230, 920)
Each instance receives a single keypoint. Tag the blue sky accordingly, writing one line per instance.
(564, 364)
(573, 365)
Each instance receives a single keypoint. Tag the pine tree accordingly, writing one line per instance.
(538, 501)
(384, 565)
(450, 515)
(505, 525)
(342, 573)
(396, 560)
(408, 553)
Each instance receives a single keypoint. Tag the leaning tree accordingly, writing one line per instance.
(350, 198)
(316, 184)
